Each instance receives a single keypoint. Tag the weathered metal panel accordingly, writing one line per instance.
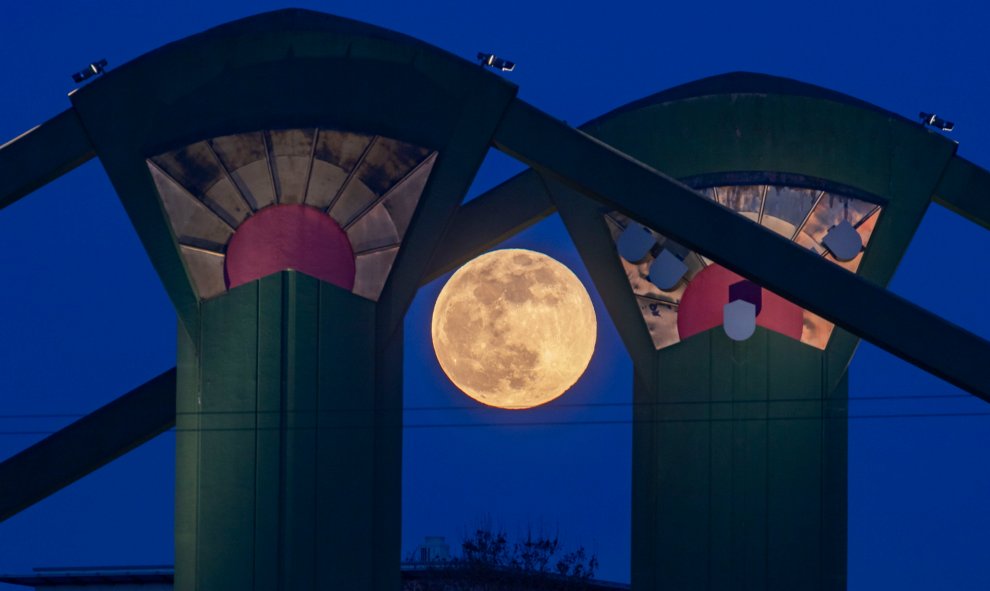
(675, 476)
(747, 364)
(644, 487)
(795, 493)
(295, 471)
(387, 485)
(835, 519)
(345, 441)
(728, 465)
(187, 443)
(268, 447)
(300, 379)
(226, 460)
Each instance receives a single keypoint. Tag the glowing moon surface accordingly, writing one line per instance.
(514, 328)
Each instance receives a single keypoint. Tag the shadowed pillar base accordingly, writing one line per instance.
(739, 468)
(288, 442)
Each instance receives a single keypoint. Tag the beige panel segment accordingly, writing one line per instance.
(291, 174)
(206, 269)
(374, 230)
(402, 199)
(240, 150)
(193, 166)
(356, 197)
(340, 148)
(192, 222)
(292, 150)
(255, 182)
(372, 272)
(779, 226)
(292, 142)
(245, 156)
(225, 199)
(324, 183)
(198, 169)
(387, 162)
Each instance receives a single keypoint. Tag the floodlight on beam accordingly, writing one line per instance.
(493, 61)
(933, 120)
(94, 69)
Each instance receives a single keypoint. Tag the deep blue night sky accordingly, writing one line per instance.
(85, 318)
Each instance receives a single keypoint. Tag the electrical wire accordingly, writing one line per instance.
(483, 408)
(562, 423)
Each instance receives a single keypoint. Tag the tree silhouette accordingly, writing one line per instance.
(490, 562)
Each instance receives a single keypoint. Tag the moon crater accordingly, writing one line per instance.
(514, 329)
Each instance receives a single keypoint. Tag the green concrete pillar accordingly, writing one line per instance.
(288, 442)
(739, 467)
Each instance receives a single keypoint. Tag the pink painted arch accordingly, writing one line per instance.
(290, 236)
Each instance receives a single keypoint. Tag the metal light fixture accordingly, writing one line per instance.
(493, 61)
(933, 120)
(93, 69)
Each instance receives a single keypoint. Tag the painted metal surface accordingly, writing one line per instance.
(282, 437)
(739, 468)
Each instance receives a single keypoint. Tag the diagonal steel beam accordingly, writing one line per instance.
(479, 225)
(41, 155)
(450, 180)
(87, 444)
(619, 182)
(965, 189)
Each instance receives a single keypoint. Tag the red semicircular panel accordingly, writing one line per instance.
(289, 236)
(708, 293)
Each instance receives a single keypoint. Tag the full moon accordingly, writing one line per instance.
(514, 329)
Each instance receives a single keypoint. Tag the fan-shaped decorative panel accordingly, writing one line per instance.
(805, 216)
(369, 185)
